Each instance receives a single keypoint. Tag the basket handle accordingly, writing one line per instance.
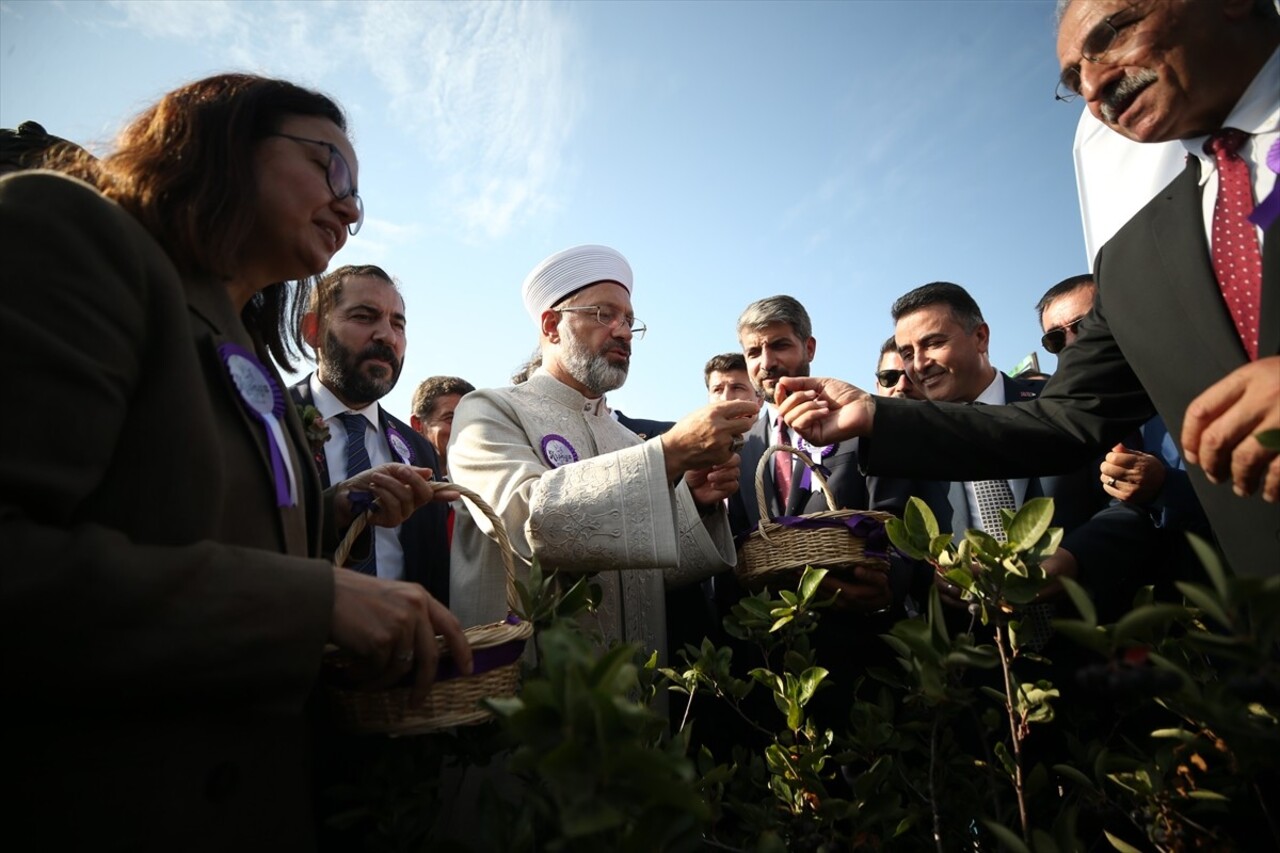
(763, 504)
(499, 531)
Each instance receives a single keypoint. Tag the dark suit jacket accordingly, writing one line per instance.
(162, 619)
(642, 427)
(1159, 335)
(1110, 542)
(424, 536)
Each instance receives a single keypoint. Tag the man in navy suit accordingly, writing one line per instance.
(1161, 337)
(356, 326)
(944, 341)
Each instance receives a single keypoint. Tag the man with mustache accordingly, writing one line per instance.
(577, 490)
(355, 324)
(1187, 319)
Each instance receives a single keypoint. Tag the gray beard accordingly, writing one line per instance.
(592, 369)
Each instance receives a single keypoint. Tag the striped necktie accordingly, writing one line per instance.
(357, 462)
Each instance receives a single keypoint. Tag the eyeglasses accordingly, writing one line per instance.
(1055, 340)
(613, 318)
(338, 175)
(889, 378)
(1103, 38)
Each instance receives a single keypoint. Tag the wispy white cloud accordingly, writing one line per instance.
(482, 87)
(485, 89)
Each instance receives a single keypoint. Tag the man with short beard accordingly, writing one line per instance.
(355, 324)
(577, 490)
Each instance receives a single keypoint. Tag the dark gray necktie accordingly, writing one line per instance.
(357, 462)
(994, 495)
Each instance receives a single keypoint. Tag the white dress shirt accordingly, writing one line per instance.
(390, 553)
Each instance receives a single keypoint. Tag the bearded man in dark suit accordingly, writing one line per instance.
(356, 326)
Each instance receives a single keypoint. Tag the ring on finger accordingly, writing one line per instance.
(1112, 482)
(735, 443)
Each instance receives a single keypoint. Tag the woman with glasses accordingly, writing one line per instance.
(163, 600)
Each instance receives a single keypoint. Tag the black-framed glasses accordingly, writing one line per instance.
(613, 318)
(338, 175)
(1055, 340)
(889, 378)
(1104, 37)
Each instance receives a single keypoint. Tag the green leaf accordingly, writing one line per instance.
(1212, 565)
(1269, 438)
(809, 682)
(901, 539)
(809, 582)
(1120, 844)
(1006, 836)
(1145, 621)
(1080, 598)
(1202, 794)
(1074, 775)
(1042, 842)
(1031, 522)
(1205, 600)
(920, 519)
(1178, 734)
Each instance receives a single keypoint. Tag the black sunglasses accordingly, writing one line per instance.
(888, 378)
(1055, 340)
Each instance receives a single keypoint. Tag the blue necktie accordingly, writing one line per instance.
(358, 461)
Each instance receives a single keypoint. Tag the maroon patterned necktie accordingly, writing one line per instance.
(782, 465)
(1237, 261)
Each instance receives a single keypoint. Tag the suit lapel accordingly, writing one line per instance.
(301, 394)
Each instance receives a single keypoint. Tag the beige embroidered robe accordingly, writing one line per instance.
(612, 511)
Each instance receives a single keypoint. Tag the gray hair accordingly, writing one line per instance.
(776, 309)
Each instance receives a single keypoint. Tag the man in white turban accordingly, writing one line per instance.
(575, 488)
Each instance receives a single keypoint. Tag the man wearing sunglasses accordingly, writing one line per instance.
(1155, 477)
(891, 377)
(1187, 324)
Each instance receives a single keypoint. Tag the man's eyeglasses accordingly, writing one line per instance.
(338, 174)
(613, 318)
(1103, 38)
(1055, 340)
(889, 378)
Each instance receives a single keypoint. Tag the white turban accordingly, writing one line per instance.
(570, 270)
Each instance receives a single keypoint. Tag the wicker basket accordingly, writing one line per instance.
(835, 539)
(454, 699)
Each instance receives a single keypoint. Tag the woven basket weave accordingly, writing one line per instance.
(454, 699)
(776, 552)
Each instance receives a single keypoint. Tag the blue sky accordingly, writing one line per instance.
(841, 152)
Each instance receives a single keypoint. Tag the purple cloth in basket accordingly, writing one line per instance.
(485, 659)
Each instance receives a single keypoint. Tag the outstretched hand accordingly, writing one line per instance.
(1221, 424)
(824, 411)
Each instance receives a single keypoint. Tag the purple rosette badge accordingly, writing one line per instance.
(557, 450)
(1269, 210)
(817, 454)
(264, 399)
(399, 446)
